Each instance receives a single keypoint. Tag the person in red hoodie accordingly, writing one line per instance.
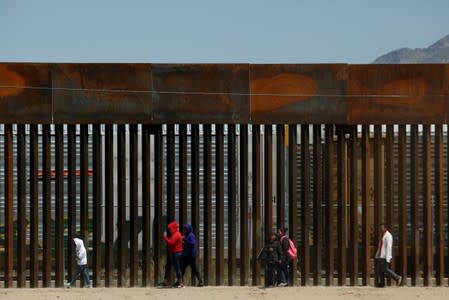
(174, 245)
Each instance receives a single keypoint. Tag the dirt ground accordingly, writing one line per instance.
(218, 293)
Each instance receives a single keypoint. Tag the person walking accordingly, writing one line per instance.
(190, 253)
(271, 258)
(284, 272)
(174, 245)
(384, 255)
(81, 259)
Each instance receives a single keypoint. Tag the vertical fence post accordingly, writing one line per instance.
(34, 207)
(389, 186)
(378, 187)
(46, 161)
(244, 251)
(195, 141)
(427, 230)
(268, 172)
(207, 165)
(84, 185)
(8, 262)
(402, 203)
(219, 204)
(59, 205)
(121, 205)
(21, 209)
(342, 214)
(109, 205)
(293, 198)
(354, 205)
(318, 201)
(256, 172)
(146, 207)
(439, 218)
(183, 171)
(158, 200)
(133, 205)
(280, 177)
(232, 204)
(71, 197)
(330, 230)
(415, 211)
(366, 202)
(305, 202)
(97, 207)
(171, 173)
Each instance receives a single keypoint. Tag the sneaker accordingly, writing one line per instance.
(67, 285)
(399, 281)
(180, 286)
(282, 284)
(88, 286)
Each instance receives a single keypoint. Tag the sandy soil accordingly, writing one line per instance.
(218, 293)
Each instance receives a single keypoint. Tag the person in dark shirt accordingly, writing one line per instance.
(284, 267)
(271, 257)
(189, 253)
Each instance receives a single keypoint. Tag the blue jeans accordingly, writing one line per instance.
(284, 271)
(174, 260)
(81, 269)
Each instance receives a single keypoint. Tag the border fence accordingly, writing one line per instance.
(114, 151)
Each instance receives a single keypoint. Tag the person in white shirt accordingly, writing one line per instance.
(383, 255)
(81, 259)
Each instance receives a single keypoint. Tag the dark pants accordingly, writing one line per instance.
(81, 269)
(174, 260)
(384, 270)
(271, 274)
(190, 261)
(284, 271)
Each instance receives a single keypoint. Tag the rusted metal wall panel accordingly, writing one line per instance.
(25, 93)
(200, 93)
(397, 94)
(298, 93)
(101, 93)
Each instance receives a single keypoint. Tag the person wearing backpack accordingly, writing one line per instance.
(284, 268)
(270, 257)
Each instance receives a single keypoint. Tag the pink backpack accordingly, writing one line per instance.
(292, 252)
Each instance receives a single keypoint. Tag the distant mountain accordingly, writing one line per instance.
(437, 53)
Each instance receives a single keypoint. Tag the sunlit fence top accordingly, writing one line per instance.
(223, 93)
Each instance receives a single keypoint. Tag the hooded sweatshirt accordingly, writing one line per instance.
(174, 243)
(81, 255)
(189, 248)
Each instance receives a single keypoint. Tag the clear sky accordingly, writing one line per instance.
(227, 31)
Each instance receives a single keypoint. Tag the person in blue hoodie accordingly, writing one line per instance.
(189, 253)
